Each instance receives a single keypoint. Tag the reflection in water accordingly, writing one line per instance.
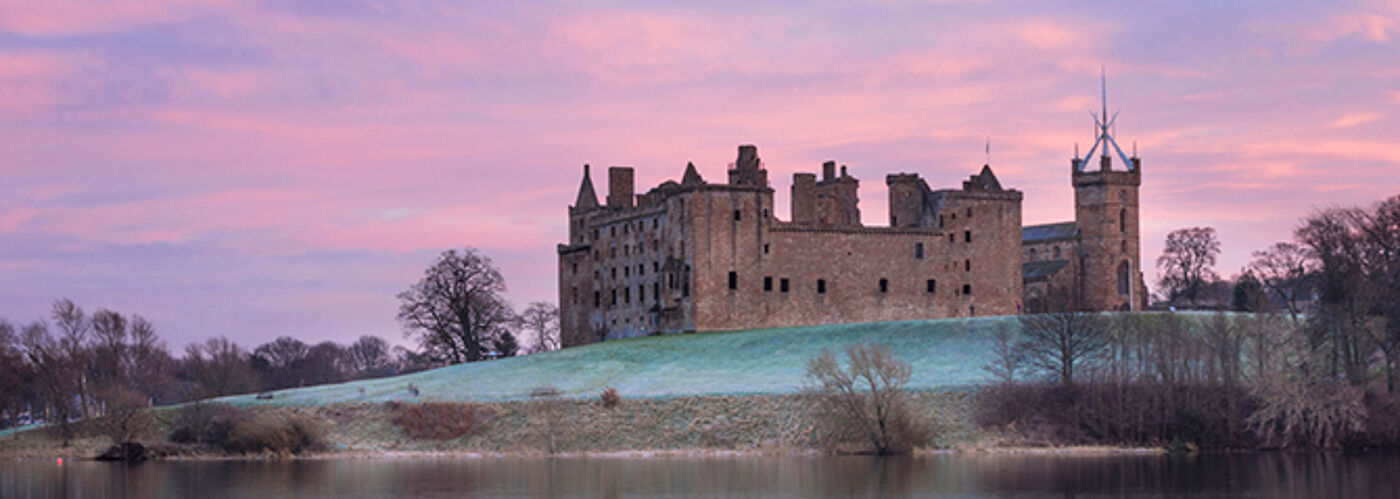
(1247, 475)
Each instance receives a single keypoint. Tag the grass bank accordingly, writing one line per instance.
(775, 424)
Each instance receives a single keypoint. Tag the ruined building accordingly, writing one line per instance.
(697, 255)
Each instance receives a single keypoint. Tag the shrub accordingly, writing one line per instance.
(204, 423)
(610, 398)
(434, 420)
(276, 433)
(865, 403)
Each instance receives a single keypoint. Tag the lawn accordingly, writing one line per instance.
(944, 353)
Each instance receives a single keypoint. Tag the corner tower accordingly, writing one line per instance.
(1106, 214)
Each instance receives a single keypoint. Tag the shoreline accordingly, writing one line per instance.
(1065, 451)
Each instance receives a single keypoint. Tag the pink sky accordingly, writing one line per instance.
(258, 169)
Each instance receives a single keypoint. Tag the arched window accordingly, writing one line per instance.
(1123, 278)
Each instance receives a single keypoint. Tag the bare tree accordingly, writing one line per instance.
(73, 330)
(1187, 264)
(370, 357)
(457, 310)
(280, 362)
(219, 367)
(15, 374)
(541, 319)
(1008, 355)
(1285, 269)
(1063, 339)
(56, 379)
(866, 400)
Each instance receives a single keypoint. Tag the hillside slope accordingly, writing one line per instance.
(943, 353)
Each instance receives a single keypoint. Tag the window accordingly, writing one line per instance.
(626, 295)
(736, 215)
(894, 221)
(641, 269)
(884, 285)
(574, 270)
(1122, 220)
(626, 250)
(967, 265)
(967, 289)
(1057, 252)
(733, 280)
(969, 212)
(1123, 278)
(614, 272)
(641, 293)
(821, 286)
(952, 238)
(573, 295)
(931, 286)
(783, 285)
(1032, 254)
(656, 291)
(597, 299)
(612, 252)
(614, 297)
(612, 231)
(656, 266)
(627, 272)
(919, 250)
(765, 248)
(768, 283)
(967, 236)
(627, 229)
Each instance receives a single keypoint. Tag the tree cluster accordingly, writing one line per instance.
(1313, 363)
(112, 366)
(458, 312)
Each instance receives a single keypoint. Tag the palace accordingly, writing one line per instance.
(699, 256)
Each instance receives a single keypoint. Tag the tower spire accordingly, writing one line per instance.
(1104, 125)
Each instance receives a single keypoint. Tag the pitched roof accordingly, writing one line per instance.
(1042, 269)
(587, 198)
(691, 176)
(1048, 231)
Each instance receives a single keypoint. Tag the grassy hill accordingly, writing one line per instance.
(944, 353)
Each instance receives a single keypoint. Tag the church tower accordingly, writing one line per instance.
(1106, 214)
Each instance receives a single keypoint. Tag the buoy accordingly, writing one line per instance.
(60, 461)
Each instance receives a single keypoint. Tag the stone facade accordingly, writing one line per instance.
(1097, 257)
(696, 255)
(700, 256)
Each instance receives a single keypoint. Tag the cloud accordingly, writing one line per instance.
(1353, 119)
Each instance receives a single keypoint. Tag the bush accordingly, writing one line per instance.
(434, 420)
(865, 404)
(610, 398)
(276, 433)
(205, 424)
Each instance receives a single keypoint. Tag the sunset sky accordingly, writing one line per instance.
(259, 168)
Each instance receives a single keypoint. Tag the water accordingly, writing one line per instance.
(962, 475)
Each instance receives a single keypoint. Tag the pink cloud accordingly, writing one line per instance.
(1353, 119)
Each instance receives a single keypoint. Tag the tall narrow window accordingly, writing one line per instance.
(783, 285)
(656, 291)
(733, 280)
(1123, 278)
(969, 212)
(967, 236)
(736, 215)
(768, 283)
(884, 285)
(931, 286)
(967, 265)
(1122, 220)
(821, 286)
(919, 250)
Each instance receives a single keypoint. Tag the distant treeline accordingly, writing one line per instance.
(77, 365)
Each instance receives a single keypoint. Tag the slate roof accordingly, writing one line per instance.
(1042, 269)
(1043, 232)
